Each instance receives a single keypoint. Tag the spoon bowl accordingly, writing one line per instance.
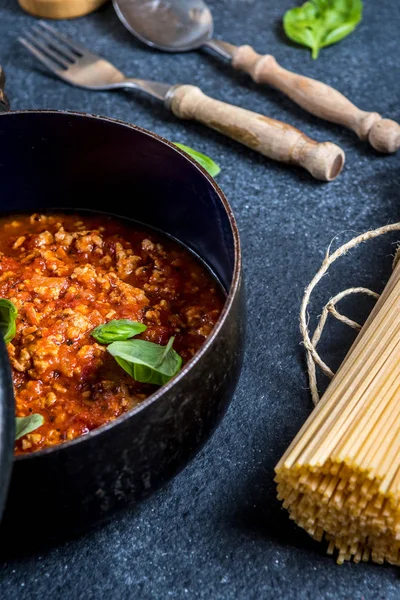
(176, 26)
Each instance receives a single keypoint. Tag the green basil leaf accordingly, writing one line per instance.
(24, 425)
(205, 161)
(147, 362)
(117, 330)
(320, 23)
(8, 318)
(337, 34)
(142, 373)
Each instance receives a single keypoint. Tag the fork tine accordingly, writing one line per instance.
(61, 60)
(48, 62)
(52, 41)
(75, 46)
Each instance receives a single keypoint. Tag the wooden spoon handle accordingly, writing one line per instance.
(271, 138)
(319, 99)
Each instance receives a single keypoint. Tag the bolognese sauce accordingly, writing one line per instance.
(67, 274)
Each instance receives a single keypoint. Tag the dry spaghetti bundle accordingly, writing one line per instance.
(340, 477)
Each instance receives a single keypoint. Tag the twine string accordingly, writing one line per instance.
(310, 342)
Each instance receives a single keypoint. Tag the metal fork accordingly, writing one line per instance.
(78, 66)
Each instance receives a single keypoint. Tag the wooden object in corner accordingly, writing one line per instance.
(60, 9)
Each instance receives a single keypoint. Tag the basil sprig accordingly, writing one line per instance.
(320, 23)
(145, 361)
(8, 319)
(205, 161)
(8, 328)
(117, 331)
(24, 425)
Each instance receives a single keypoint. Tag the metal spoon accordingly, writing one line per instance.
(171, 25)
(182, 25)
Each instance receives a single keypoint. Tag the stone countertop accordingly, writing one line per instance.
(217, 530)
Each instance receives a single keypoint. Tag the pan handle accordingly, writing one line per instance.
(4, 103)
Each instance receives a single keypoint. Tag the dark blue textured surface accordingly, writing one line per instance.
(217, 530)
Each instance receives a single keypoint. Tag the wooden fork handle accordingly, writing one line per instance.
(319, 99)
(272, 138)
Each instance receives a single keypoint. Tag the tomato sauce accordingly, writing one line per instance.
(67, 274)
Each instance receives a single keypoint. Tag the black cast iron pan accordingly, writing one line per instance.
(62, 160)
